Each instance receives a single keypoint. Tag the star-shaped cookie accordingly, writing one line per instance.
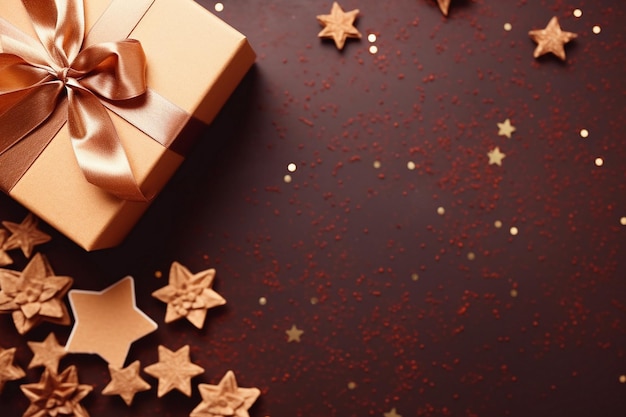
(5, 259)
(551, 39)
(47, 353)
(444, 5)
(9, 371)
(339, 25)
(174, 370)
(107, 322)
(34, 295)
(25, 235)
(189, 295)
(225, 399)
(56, 395)
(126, 382)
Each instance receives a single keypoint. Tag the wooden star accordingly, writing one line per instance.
(34, 295)
(56, 395)
(107, 322)
(506, 129)
(444, 5)
(126, 382)
(47, 353)
(9, 371)
(225, 399)
(189, 295)
(174, 370)
(25, 235)
(392, 413)
(294, 334)
(5, 259)
(551, 39)
(339, 25)
(495, 156)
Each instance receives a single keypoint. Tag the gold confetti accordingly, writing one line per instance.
(506, 128)
(294, 334)
(495, 156)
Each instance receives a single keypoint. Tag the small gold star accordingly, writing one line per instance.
(25, 235)
(126, 382)
(444, 5)
(506, 128)
(551, 39)
(339, 25)
(495, 156)
(392, 413)
(47, 353)
(294, 334)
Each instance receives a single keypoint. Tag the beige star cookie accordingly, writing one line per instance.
(339, 25)
(25, 235)
(174, 370)
(225, 399)
(551, 39)
(47, 353)
(126, 382)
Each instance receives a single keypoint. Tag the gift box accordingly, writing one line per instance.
(67, 169)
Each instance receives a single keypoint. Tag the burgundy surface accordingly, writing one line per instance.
(454, 342)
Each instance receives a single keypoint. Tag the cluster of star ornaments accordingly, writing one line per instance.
(107, 322)
(339, 26)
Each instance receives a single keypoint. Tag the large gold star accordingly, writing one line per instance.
(5, 259)
(225, 399)
(551, 39)
(126, 382)
(339, 25)
(293, 334)
(34, 295)
(25, 235)
(107, 322)
(8, 371)
(56, 395)
(174, 370)
(506, 128)
(189, 295)
(495, 156)
(47, 353)
(444, 5)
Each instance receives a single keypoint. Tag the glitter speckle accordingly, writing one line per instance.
(410, 165)
(599, 162)
(287, 178)
(596, 29)
(497, 224)
(514, 231)
(623, 221)
(513, 293)
(351, 385)
(622, 379)
(371, 37)
(584, 133)
(508, 26)
(373, 49)
(471, 256)
(219, 7)
(577, 13)
(158, 274)
(262, 301)
(441, 211)
(415, 277)
(292, 167)
(314, 300)
(376, 164)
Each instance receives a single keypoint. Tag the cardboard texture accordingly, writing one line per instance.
(194, 59)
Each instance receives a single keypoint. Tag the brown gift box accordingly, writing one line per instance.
(194, 60)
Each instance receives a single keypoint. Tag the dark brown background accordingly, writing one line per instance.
(453, 342)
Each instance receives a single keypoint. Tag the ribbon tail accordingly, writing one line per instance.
(98, 148)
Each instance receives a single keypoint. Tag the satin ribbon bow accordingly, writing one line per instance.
(36, 77)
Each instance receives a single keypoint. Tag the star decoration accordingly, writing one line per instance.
(56, 395)
(225, 399)
(294, 334)
(495, 156)
(47, 353)
(5, 259)
(25, 235)
(34, 295)
(392, 413)
(174, 370)
(8, 371)
(339, 25)
(107, 322)
(551, 39)
(506, 128)
(126, 382)
(189, 295)
(444, 5)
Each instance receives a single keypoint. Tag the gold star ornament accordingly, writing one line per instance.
(25, 235)
(8, 371)
(34, 295)
(47, 353)
(551, 39)
(107, 322)
(293, 334)
(126, 382)
(56, 395)
(495, 156)
(174, 370)
(225, 399)
(339, 25)
(189, 295)
(506, 129)
(444, 5)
